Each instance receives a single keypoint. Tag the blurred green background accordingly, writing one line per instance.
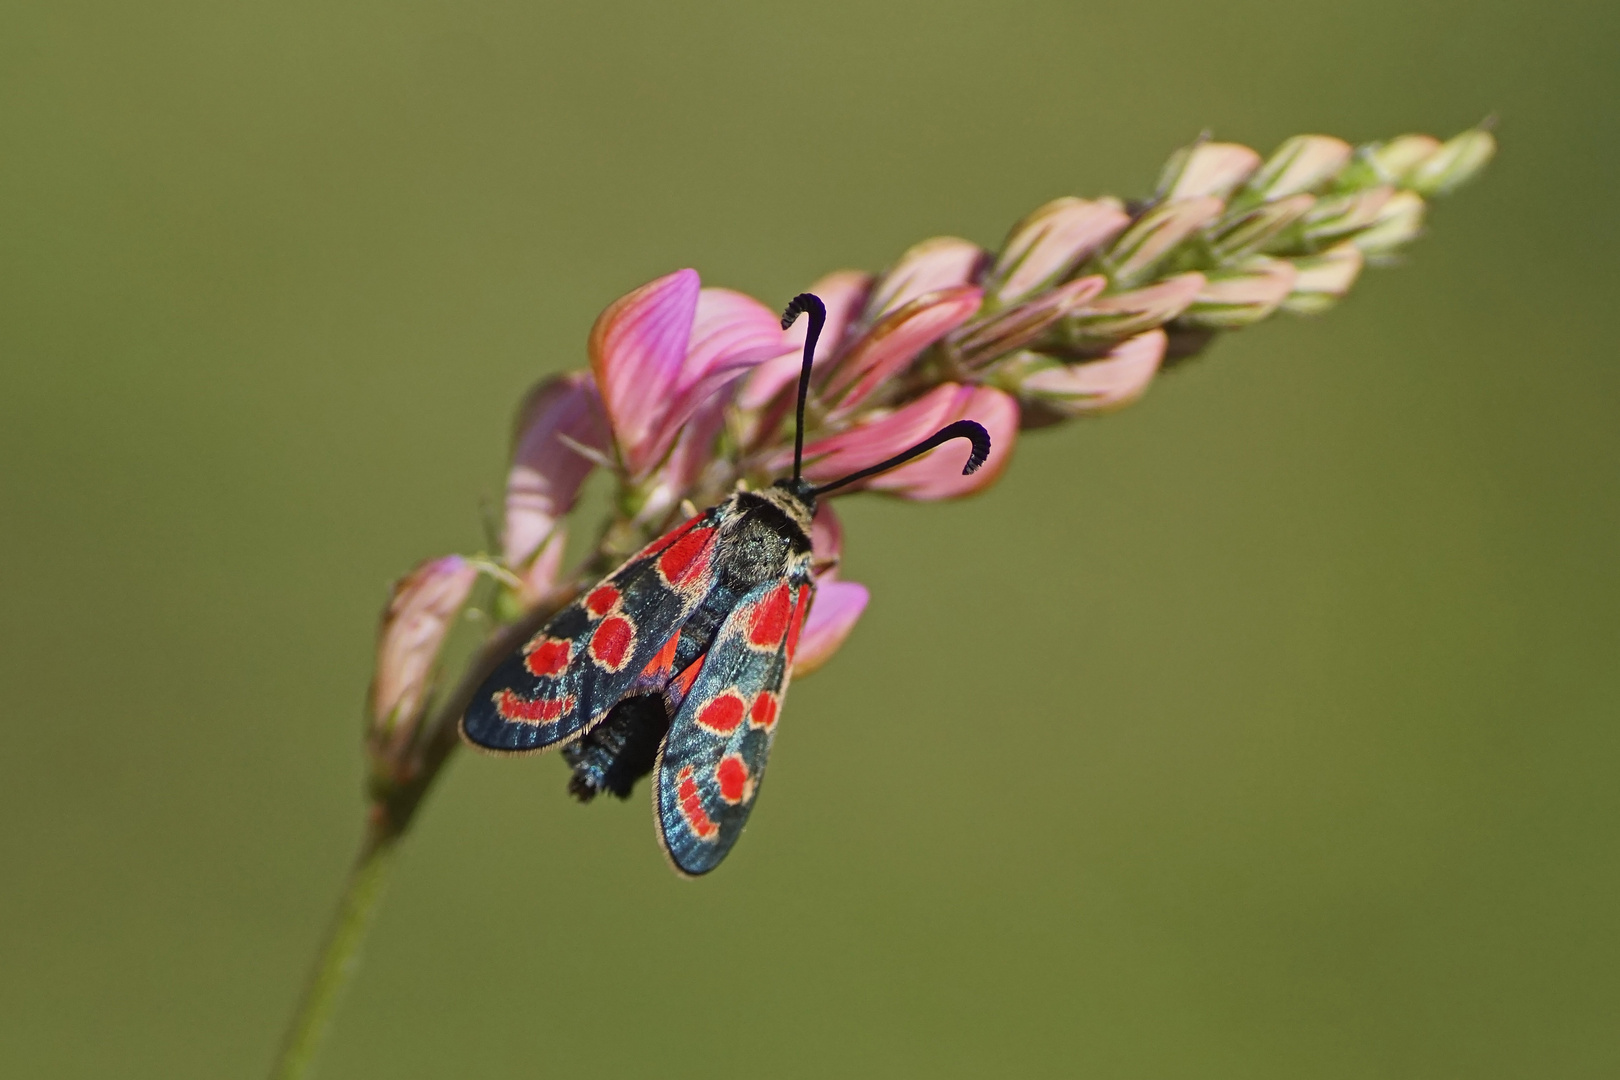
(1266, 729)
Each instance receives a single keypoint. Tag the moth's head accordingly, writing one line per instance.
(801, 490)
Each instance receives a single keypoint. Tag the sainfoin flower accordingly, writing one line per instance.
(692, 393)
(691, 390)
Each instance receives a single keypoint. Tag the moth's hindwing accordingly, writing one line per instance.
(713, 760)
(595, 652)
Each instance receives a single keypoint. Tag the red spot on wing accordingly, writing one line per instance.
(547, 656)
(611, 644)
(661, 665)
(801, 605)
(686, 561)
(522, 710)
(668, 538)
(723, 713)
(732, 776)
(601, 600)
(769, 619)
(691, 803)
(762, 714)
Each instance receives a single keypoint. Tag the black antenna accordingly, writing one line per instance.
(804, 304)
(963, 429)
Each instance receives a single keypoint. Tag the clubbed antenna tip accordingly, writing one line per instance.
(971, 430)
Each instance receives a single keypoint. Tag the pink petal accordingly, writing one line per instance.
(843, 292)
(836, 610)
(896, 340)
(638, 349)
(941, 263)
(546, 472)
(826, 542)
(1100, 385)
(413, 630)
(1049, 243)
(731, 335)
(936, 475)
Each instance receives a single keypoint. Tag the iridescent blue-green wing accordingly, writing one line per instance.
(599, 649)
(713, 760)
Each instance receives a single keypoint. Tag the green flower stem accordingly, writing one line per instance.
(340, 954)
(393, 807)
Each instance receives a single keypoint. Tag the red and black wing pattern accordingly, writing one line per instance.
(713, 760)
(597, 651)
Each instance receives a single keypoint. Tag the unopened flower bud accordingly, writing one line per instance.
(1395, 160)
(1109, 382)
(1245, 232)
(1458, 161)
(1334, 218)
(1398, 223)
(1137, 254)
(1320, 281)
(414, 625)
(1120, 315)
(1241, 295)
(1207, 168)
(1051, 242)
(1302, 164)
(1013, 328)
(894, 341)
(941, 263)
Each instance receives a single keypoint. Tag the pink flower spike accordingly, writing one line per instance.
(1116, 380)
(836, 610)
(637, 350)
(898, 339)
(940, 263)
(843, 292)
(936, 475)
(546, 474)
(413, 630)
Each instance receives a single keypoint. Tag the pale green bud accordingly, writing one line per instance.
(1303, 163)
(1109, 318)
(1395, 160)
(1454, 164)
(1320, 281)
(1241, 295)
(1334, 218)
(1398, 222)
(1244, 232)
(1138, 253)
(1043, 248)
(1207, 168)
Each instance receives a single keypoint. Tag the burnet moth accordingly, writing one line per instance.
(676, 664)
